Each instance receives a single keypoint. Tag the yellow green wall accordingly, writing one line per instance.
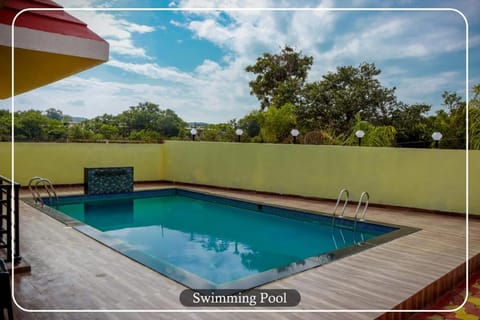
(420, 178)
(63, 163)
(474, 182)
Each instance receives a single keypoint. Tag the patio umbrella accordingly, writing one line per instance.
(48, 46)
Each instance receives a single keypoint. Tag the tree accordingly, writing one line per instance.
(279, 77)
(54, 114)
(219, 132)
(5, 125)
(375, 136)
(150, 118)
(30, 125)
(251, 124)
(412, 126)
(452, 123)
(474, 128)
(170, 124)
(55, 130)
(336, 100)
(452, 101)
(276, 123)
(109, 131)
(145, 135)
(474, 119)
(77, 132)
(324, 137)
(143, 116)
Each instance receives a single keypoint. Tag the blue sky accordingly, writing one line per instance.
(193, 61)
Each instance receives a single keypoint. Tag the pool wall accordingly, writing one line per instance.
(431, 179)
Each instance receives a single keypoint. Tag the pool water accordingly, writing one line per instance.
(186, 236)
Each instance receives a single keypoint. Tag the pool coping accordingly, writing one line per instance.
(195, 282)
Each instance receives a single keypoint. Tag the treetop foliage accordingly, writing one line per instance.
(279, 77)
(325, 111)
(144, 122)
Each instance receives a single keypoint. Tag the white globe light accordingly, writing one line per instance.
(294, 132)
(359, 133)
(437, 136)
(239, 132)
(193, 131)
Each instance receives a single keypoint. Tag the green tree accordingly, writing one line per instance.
(451, 123)
(109, 131)
(145, 135)
(324, 137)
(475, 101)
(474, 128)
(77, 132)
(30, 125)
(375, 136)
(55, 130)
(279, 77)
(474, 119)
(219, 132)
(5, 125)
(141, 117)
(412, 125)
(170, 124)
(150, 118)
(276, 123)
(336, 100)
(452, 101)
(54, 114)
(251, 124)
(95, 125)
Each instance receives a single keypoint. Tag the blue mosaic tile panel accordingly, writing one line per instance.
(108, 180)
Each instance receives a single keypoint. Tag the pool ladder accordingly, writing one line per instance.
(364, 198)
(37, 182)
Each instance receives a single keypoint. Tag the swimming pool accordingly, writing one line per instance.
(206, 241)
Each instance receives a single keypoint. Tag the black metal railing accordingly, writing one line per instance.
(9, 209)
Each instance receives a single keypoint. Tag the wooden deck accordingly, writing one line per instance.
(72, 271)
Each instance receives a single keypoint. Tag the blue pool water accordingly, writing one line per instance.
(211, 241)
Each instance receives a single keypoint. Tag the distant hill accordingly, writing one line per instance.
(198, 124)
(78, 119)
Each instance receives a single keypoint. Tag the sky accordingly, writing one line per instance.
(193, 62)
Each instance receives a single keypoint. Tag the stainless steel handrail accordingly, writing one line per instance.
(343, 191)
(364, 199)
(362, 196)
(340, 194)
(47, 185)
(35, 193)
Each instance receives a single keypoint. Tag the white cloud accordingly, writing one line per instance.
(208, 67)
(396, 37)
(218, 90)
(133, 27)
(118, 31)
(176, 23)
(76, 3)
(211, 93)
(426, 88)
(126, 47)
(152, 70)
